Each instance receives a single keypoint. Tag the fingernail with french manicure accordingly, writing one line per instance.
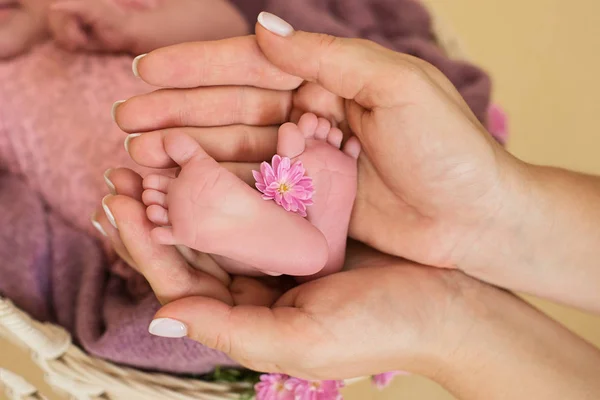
(111, 186)
(275, 24)
(134, 65)
(128, 139)
(108, 213)
(114, 109)
(168, 328)
(98, 227)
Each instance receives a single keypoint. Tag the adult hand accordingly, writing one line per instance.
(175, 280)
(383, 314)
(433, 186)
(419, 292)
(388, 314)
(432, 183)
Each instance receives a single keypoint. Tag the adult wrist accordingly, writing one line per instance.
(511, 350)
(543, 238)
(461, 303)
(508, 237)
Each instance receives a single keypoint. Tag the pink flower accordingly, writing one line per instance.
(382, 380)
(286, 184)
(273, 387)
(314, 390)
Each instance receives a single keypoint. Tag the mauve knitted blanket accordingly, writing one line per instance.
(57, 138)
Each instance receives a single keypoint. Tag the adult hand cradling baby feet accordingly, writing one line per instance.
(433, 187)
(300, 335)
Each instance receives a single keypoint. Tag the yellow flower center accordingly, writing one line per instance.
(284, 187)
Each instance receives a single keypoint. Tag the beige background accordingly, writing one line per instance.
(543, 55)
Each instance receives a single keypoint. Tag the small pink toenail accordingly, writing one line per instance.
(285, 183)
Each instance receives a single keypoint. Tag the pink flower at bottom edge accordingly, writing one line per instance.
(315, 390)
(273, 387)
(286, 184)
(383, 380)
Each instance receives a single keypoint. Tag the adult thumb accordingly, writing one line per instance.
(256, 334)
(356, 69)
(350, 68)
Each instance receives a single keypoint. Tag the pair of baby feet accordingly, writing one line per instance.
(211, 210)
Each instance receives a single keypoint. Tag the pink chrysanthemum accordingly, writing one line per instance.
(383, 380)
(285, 183)
(314, 390)
(273, 387)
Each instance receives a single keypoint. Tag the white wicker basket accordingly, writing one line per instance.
(83, 377)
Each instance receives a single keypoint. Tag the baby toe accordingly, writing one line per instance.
(154, 197)
(158, 215)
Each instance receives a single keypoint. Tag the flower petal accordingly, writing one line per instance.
(283, 170)
(302, 209)
(275, 161)
(267, 172)
(296, 172)
(257, 176)
(278, 198)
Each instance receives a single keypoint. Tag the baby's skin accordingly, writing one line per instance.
(139, 26)
(209, 209)
(114, 26)
(55, 130)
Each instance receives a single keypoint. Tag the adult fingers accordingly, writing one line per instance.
(125, 182)
(163, 266)
(234, 61)
(354, 69)
(203, 107)
(103, 225)
(235, 143)
(350, 68)
(261, 334)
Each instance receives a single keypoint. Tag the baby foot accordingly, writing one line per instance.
(209, 209)
(334, 172)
